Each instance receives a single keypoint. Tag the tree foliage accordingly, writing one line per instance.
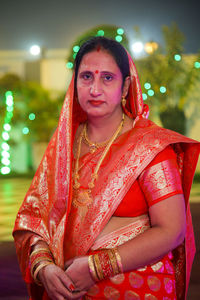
(30, 97)
(168, 67)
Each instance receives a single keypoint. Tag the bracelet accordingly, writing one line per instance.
(34, 266)
(45, 263)
(33, 258)
(39, 255)
(119, 261)
(97, 266)
(39, 250)
(92, 268)
(104, 264)
(113, 262)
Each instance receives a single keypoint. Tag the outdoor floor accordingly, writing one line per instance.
(12, 287)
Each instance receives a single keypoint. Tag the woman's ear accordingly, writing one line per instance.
(125, 89)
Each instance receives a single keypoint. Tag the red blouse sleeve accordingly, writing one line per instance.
(161, 178)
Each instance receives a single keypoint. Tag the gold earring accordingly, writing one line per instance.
(123, 101)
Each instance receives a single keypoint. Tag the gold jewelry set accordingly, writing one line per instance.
(105, 263)
(83, 197)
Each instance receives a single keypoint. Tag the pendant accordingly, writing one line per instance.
(93, 148)
(82, 198)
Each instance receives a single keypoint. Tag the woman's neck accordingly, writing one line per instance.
(101, 129)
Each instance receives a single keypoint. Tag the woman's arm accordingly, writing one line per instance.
(167, 231)
(168, 225)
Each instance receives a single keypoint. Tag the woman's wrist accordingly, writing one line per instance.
(104, 264)
(39, 258)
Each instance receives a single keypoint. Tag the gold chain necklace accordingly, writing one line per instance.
(93, 146)
(83, 198)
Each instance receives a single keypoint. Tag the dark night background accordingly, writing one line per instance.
(55, 24)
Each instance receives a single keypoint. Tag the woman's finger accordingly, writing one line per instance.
(68, 263)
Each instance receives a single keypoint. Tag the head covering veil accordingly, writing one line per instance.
(47, 203)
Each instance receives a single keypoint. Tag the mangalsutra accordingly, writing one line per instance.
(82, 198)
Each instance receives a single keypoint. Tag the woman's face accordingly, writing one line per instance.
(99, 84)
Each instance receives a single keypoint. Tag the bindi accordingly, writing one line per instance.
(98, 48)
(97, 71)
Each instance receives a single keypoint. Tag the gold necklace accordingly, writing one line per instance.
(93, 146)
(84, 197)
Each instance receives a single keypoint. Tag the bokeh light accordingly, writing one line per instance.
(69, 65)
(150, 93)
(144, 96)
(25, 130)
(100, 33)
(147, 85)
(137, 47)
(35, 50)
(120, 31)
(118, 38)
(163, 89)
(177, 57)
(31, 116)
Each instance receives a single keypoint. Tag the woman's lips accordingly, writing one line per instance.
(96, 102)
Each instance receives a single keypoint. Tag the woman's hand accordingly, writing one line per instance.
(78, 271)
(57, 284)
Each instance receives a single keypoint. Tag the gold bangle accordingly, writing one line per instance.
(92, 268)
(118, 259)
(98, 267)
(40, 250)
(38, 261)
(113, 261)
(45, 263)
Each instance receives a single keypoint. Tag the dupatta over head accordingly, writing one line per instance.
(44, 212)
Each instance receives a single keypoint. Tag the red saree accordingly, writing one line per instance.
(44, 214)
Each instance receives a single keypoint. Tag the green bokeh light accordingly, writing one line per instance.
(7, 127)
(5, 170)
(5, 136)
(74, 55)
(69, 65)
(25, 130)
(9, 108)
(8, 93)
(31, 116)
(177, 57)
(5, 154)
(118, 38)
(100, 32)
(147, 85)
(9, 100)
(197, 65)
(144, 96)
(76, 48)
(9, 116)
(5, 161)
(150, 93)
(5, 146)
(120, 31)
(163, 89)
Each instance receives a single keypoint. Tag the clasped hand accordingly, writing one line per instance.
(78, 271)
(59, 284)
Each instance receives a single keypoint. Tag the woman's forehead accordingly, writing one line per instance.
(98, 60)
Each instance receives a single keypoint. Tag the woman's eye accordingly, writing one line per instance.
(86, 76)
(108, 77)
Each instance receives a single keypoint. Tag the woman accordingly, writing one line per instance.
(109, 201)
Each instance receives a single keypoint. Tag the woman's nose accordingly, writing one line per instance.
(96, 89)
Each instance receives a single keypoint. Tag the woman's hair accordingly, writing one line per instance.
(111, 46)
